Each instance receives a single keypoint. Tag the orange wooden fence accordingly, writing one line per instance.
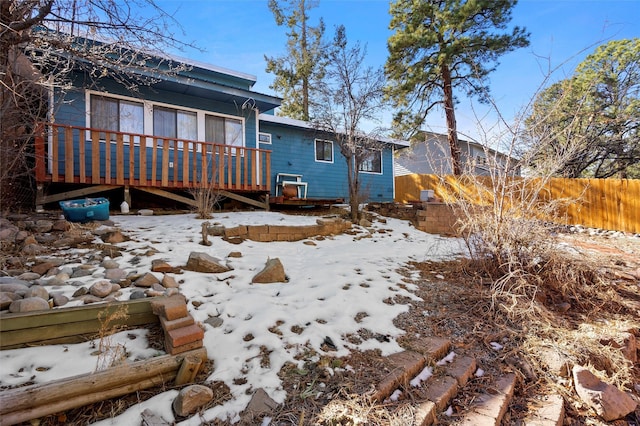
(599, 203)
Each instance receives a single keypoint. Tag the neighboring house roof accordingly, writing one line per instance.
(292, 122)
(429, 153)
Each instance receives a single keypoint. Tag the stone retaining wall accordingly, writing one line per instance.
(431, 217)
(268, 233)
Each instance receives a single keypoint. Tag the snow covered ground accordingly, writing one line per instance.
(330, 282)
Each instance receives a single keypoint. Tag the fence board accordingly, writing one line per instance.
(598, 203)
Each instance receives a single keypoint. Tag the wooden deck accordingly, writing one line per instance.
(100, 160)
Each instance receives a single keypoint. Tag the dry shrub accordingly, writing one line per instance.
(207, 194)
(110, 353)
(355, 410)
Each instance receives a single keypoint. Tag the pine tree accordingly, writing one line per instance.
(442, 45)
(304, 64)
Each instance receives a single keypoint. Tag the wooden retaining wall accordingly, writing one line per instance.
(71, 325)
(599, 203)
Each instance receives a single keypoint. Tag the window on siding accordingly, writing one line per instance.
(324, 151)
(174, 123)
(264, 138)
(373, 162)
(117, 115)
(223, 130)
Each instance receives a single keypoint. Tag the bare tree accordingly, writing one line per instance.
(350, 95)
(43, 41)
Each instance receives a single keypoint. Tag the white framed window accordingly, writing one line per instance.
(324, 151)
(264, 138)
(118, 115)
(130, 115)
(373, 162)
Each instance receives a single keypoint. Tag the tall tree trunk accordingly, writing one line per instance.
(305, 61)
(452, 129)
(354, 188)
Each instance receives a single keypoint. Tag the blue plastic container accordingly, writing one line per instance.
(85, 210)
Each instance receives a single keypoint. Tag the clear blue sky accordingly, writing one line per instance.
(236, 34)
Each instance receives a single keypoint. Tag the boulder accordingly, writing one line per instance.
(273, 272)
(191, 399)
(159, 265)
(202, 262)
(101, 288)
(607, 400)
(147, 280)
(169, 282)
(109, 264)
(28, 276)
(60, 300)
(37, 291)
(115, 274)
(29, 304)
(261, 404)
(7, 298)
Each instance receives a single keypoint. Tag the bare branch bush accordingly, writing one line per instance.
(509, 225)
(44, 43)
(110, 353)
(207, 193)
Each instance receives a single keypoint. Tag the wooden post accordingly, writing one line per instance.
(127, 195)
(188, 370)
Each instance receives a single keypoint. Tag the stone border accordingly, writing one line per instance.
(270, 233)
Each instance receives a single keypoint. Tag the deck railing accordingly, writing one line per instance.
(72, 154)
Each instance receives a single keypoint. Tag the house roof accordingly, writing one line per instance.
(292, 122)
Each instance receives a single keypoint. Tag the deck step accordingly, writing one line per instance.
(489, 407)
(548, 412)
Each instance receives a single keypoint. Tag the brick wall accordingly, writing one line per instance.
(431, 217)
(267, 233)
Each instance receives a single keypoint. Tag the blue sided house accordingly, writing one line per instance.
(198, 126)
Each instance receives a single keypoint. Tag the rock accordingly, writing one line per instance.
(159, 265)
(28, 276)
(42, 268)
(60, 300)
(109, 264)
(114, 237)
(61, 225)
(89, 298)
(32, 249)
(28, 239)
(607, 400)
(309, 243)
(149, 418)
(191, 399)
(171, 291)
(624, 341)
(555, 361)
(15, 286)
(214, 322)
(169, 282)
(8, 233)
(137, 294)
(147, 280)
(157, 287)
(40, 226)
(38, 291)
(80, 272)
(80, 292)
(6, 298)
(145, 212)
(273, 272)
(202, 262)
(101, 288)
(29, 304)
(154, 293)
(365, 223)
(235, 254)
(260, 404)
(115, 274)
